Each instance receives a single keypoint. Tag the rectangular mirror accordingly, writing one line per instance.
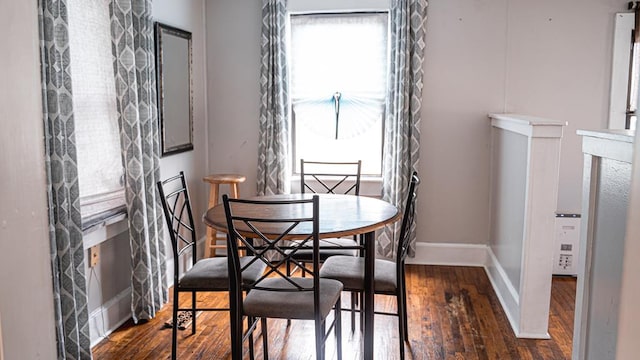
(175, 101)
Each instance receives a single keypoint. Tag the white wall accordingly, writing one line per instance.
(233, 72)
(548, 59)
(189, 15)
(463, 82)
(558, 67)
(26, 300)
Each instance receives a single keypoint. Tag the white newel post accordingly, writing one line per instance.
(607, 174)
(523, 208)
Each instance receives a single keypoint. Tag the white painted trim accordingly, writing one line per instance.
(304, 6)
(621, 57)
(110, 316)
(538, 236)
(610, 144)
(449, 254)
(530, 126)
(502, 286)
(103, 233)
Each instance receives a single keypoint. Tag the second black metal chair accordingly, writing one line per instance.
(320, 177)
(389, 278)
(276, 294)
(203, 275)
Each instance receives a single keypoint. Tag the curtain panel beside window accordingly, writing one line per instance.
(65, 223)
(135, 99)
(274, 163)
(404, 101)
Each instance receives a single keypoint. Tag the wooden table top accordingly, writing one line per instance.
(340, 215)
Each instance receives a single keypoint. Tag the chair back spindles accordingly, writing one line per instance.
(322, 177)
(272, 233)
(176, 205)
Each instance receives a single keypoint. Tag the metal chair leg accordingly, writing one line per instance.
(193, 312)
(251, 350)
(265, 338)
(174, 326)
(338, 328)
(353, 311)
(405, 311)
(401, 322)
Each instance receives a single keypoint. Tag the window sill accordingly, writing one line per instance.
(369, 185)
(105, 230)
(103, 218)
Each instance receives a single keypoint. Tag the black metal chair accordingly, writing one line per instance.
(324, 177)
(276, 294)
(321, 177)
(204, 275)
(389, 275)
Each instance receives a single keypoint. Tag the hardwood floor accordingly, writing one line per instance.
(453, 314)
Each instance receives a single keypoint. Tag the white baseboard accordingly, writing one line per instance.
(507, 294)
(107, 318)
(116, 311)
(449, 254)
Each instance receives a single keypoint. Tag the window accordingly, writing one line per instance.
(338, 68)
(100, 170)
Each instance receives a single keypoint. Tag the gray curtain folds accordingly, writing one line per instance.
(273, 144)
(404, 100)
(133, 50)
(65, 222)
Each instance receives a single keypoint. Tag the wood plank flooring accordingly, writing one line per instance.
(453, 314)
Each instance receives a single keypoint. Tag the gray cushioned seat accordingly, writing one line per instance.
(212, 274)
(307, 254)
(291, 304)
(350, 271)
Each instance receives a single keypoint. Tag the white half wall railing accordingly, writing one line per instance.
(606, 192)
(525, 164)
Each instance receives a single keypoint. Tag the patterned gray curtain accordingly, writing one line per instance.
(133, 47)
(273, 146)
(404, 99)
(65, 222)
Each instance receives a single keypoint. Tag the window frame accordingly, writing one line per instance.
(382, 104)
(621, 71)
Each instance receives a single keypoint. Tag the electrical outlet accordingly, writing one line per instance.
(94, 256)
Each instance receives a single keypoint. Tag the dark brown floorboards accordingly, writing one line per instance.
(453, 314)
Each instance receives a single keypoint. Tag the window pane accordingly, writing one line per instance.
(343, 54)
(314, 134)
(94, 100)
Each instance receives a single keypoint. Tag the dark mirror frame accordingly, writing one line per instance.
(167, 105)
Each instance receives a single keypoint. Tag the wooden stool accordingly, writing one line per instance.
(214, 181)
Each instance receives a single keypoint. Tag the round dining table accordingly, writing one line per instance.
(340, 215)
